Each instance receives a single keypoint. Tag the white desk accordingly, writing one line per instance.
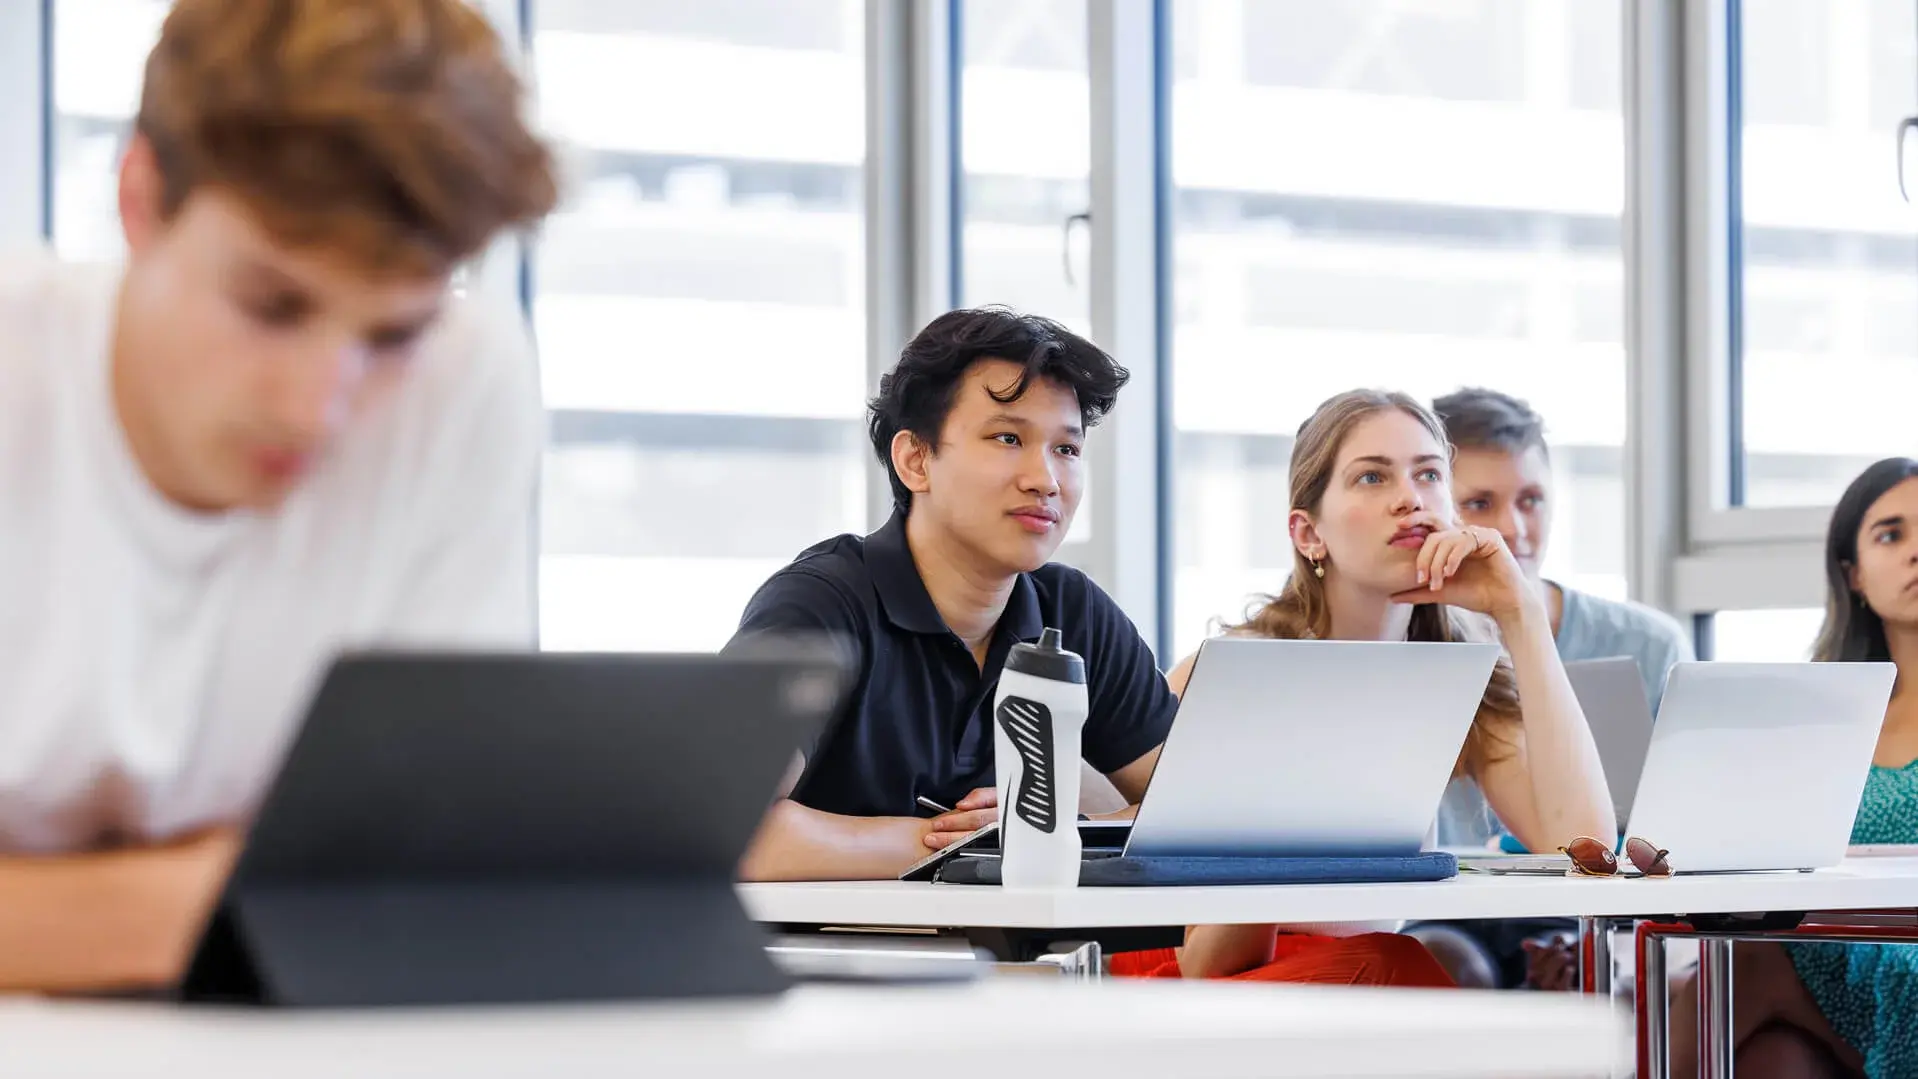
(1860, 884)
(1875, 883)
(1149, 1031)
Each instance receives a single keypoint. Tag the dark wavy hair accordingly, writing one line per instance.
(1853, 632)
(918, 393)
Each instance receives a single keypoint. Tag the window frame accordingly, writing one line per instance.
(913, 185)
(1130, 67)
(1734, 556)
(26, 124)
(1718, 515)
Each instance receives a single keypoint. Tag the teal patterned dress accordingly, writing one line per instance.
(1870, 991)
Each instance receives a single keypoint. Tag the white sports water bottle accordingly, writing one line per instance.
(1037, 720)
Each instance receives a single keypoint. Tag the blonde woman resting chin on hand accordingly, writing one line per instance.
(1379, 555)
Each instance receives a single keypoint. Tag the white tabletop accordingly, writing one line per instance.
(1859, 884)
(1113, 1031)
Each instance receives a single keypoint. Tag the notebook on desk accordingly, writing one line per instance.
(1100, 838)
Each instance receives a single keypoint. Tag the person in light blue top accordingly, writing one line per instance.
(1502, 479)
(1841, 1010)
(1593, 627)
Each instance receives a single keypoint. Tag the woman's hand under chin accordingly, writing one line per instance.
(1470, 567)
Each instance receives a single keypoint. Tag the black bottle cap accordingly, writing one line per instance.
(1047, 659)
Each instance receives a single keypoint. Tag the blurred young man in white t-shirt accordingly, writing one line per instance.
(271, 434)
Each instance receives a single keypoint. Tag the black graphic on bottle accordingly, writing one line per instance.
(1029, 724)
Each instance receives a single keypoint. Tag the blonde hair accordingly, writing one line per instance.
(1299, 610)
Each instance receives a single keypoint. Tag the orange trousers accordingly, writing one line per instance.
(1369, 959)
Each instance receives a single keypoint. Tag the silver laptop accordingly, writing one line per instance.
(1756, 766)
(1612, 695)
(1288, 748)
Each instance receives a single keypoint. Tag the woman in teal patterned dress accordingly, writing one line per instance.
(1869, 992)
(1844, 1010)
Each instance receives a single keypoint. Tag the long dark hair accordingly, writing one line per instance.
(1853, 632)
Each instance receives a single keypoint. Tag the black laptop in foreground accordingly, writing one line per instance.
(471, 828)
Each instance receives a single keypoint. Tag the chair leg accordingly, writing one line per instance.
(1654, 1007)
(1715, 1008)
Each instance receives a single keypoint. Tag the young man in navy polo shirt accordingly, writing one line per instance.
(981, 427)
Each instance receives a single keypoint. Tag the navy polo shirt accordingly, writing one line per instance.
(917, 721)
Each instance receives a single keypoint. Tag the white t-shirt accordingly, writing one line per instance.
(155, 663)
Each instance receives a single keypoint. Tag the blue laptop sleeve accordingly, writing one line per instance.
(1175, 872)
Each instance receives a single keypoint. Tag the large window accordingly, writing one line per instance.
(99, 55)
(1024, 115)
(699, 308)
(697, 301)
(1829, 360)
(1414, 196)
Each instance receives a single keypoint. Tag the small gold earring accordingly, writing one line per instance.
(1318, 569)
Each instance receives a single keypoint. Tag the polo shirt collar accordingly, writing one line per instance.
(909, 606)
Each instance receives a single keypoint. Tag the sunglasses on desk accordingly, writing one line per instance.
(1594, 858)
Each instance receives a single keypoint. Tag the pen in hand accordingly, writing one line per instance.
(927, 803)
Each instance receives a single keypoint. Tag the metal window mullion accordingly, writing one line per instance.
(1708, 227)
(911, 178)
(1128, 65)
(26, 150)
(1733, 88)
(503, 275)
(1655, 296)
